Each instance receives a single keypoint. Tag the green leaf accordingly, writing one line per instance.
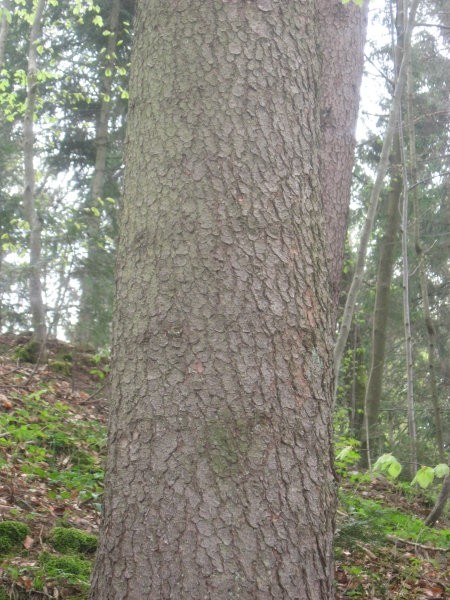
(389, 465)
(394, 469)
(97, 20)
(441, 470)
(344, 453)
(383, 462)
(424, 477)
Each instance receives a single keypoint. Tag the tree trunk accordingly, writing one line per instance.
(219, 473)
(91, 284)
(429, 324)
(29, 201)
(439, 506)
(375, 194)
(342, 29)
(386, 260)
(4, 26)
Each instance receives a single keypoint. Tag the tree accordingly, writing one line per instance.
(219, 476)
(29, 200)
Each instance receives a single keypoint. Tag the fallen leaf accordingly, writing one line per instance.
(28, 542)
(5, 402)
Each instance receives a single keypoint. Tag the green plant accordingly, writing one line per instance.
(61, 366)
(389, 465)
(27, 353)
(347, 454)
(101, 361)
(68, 539)
(49, 442)
(12, 533)
(4, 594)
(370, 521)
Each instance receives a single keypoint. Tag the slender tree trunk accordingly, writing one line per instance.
(386, 261)
(408, 333)
(358, 387)
(371, 443)
(29, 202)
(429, 324)
(412, 435)
(375, 194)
(219, 473)
(4, 26)
(91, 285)
(438, 508)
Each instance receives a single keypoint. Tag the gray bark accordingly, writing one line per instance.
(4, 26)
(219, 473)
(29, 200)
(375, 194)
(90, 287)
(430, 327)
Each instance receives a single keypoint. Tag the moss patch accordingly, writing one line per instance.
(70, 569)
(12, 533)
(75, 540)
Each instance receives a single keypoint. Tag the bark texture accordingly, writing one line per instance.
(342, 36)
(219, 476)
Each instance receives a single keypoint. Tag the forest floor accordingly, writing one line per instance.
(52, 444)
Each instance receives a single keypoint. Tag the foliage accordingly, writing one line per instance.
(425, 475)
(48, 442)
(389, 465)
(347, 454)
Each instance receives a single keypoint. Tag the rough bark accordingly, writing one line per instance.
(219, 473)
(29, 201)
(343, 32)
(91, 286)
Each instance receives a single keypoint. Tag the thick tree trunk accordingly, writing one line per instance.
(219, 474)
(29, 201)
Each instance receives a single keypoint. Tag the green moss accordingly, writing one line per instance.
(70, 569)
(368, 520)
(228, 440)
(64, 540)
(12, 533)
(61, 366)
